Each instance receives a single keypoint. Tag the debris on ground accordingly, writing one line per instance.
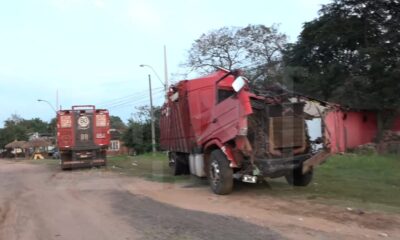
(368, 149)
(390, 136)
(390, 143)
(383, 234)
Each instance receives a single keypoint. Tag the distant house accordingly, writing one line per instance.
(42, 142)
(116, 146)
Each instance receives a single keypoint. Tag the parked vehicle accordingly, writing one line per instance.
(215, 127)
(83, 136)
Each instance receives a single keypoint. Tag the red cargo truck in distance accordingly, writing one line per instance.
(83, 136)
(215, 127)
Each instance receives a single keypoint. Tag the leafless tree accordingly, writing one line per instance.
(256, 48)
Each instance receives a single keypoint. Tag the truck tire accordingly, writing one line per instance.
(178, 164)
(103, 155)
(298, 178)
(220, 173)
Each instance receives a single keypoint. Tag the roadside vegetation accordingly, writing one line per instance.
(149, 166)
(349, 180)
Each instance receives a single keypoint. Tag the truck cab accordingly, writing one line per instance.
(215, 127)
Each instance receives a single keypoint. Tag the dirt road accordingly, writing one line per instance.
(40, 202)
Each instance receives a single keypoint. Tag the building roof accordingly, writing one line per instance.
(16, 144)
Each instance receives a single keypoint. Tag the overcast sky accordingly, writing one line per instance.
(90, 50)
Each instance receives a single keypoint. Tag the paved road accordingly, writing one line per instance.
(38, 202)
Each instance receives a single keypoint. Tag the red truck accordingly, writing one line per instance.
(83, 136)
(215, 127)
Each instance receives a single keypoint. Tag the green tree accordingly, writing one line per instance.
(350, 54)
(35, 125)
(138, 132)
(52, 126)
(133, 136)
(14, 129)
(17, 128)
(117, 123)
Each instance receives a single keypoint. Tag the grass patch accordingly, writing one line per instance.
(365, 181)
(152, 167)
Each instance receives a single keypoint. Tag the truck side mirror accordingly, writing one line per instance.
(238, 84)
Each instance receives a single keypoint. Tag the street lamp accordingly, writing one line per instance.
(41, 100)
(155, 73)
(153, 134)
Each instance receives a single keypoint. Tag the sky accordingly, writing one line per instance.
(89, 51)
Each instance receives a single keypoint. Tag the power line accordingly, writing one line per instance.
(127, 100)
(134, 95)
(137, 102)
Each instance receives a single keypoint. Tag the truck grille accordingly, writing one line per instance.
(287, 132)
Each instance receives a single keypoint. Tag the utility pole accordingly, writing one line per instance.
(57, 106)
(165, 73)
(153, 131)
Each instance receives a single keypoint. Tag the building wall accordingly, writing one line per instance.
(346, 130)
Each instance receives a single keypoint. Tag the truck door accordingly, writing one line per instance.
(83, 129)
(225, 114)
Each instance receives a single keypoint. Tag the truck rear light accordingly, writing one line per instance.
(65, 121)
(101, 120)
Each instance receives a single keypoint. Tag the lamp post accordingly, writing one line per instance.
(155, 73)
(153, 131)
(41, 100)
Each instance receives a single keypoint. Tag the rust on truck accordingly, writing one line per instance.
(83, 136)
(215, 127)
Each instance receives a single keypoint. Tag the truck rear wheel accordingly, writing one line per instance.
(298, 178)
(65, 157)
(220, 173)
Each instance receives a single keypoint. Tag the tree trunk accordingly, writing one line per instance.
(380, 124)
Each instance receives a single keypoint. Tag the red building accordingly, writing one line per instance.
(349, 129)
(116, 146)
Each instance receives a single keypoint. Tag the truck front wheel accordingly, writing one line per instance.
(297, 178)
(220, 173)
